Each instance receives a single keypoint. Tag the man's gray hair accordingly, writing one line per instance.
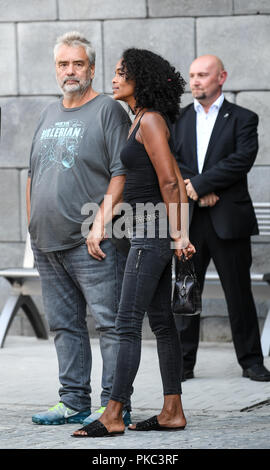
(73, 39)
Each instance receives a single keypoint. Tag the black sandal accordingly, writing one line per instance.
(96, 429)
(152, 424)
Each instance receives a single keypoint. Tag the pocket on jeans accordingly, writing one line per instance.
(134, 260)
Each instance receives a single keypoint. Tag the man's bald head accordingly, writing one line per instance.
(209, 60)
(206, 76)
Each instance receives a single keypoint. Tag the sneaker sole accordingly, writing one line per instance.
(71, 420)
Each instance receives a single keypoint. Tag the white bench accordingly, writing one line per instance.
(25, 283)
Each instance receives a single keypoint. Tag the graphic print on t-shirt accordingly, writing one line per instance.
(59, 146)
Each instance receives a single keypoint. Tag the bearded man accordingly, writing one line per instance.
(75, 161)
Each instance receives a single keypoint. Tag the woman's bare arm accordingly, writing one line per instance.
(154, 135)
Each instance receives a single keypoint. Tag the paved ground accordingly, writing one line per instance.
(223, 410)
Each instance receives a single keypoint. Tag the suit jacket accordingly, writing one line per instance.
(230, 155)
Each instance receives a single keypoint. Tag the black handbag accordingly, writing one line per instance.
(187, 298)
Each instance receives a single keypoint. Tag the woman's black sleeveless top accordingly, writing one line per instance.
(141, 184)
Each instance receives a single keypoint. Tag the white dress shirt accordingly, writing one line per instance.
(204, 126)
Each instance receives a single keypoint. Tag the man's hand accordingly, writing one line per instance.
(95, 237)
(104, 215)
(209, 200)
(191, 191)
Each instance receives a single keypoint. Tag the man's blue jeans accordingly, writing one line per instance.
(70, 280)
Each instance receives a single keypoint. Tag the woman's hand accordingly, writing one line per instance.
(188, 251)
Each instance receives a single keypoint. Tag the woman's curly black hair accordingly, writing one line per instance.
(157, 85)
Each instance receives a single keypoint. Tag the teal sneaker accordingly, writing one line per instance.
(60, 414)
(97, 414)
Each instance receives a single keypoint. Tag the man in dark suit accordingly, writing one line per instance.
(216, 145)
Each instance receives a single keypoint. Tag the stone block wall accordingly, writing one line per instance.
(238, 31)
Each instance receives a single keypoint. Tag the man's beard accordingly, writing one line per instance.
(78, 87)
(200, 96)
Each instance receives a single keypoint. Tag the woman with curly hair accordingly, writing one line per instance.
(152, 89)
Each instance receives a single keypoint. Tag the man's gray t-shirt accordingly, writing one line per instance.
(75, 153)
